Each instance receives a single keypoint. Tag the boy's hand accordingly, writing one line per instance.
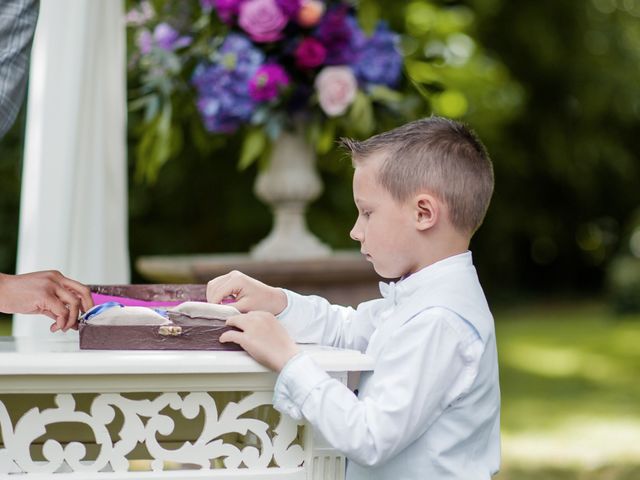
(248, 293)
(49, 293)
(262, 337)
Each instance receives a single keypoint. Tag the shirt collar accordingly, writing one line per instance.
(406, 286)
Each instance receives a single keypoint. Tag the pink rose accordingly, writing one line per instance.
(310, 53)
(337, 88)
(262, 20)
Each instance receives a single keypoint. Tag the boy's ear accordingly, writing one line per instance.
(427, 211)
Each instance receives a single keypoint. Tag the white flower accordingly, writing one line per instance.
(337, 88)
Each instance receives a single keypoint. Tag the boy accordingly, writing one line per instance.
(431, 407)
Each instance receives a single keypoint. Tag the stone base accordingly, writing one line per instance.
(344, 277)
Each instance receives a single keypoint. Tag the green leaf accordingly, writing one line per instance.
(204, 141)
(152, 109)
(451, 103)
(154, 148)
(421, 71)
(368, 15)
(176, 140)
(265, 156)
(327, 137)
(383, 94)
(313, 131)
(361, 115)
(254, 144)
(424, 93)
(139, 103)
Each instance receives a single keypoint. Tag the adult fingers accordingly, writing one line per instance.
(57, 310)
(82, 291)
(49, 314)
(54, 326)
(73, 305)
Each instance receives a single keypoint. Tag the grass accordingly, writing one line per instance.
(570, 395)
(570, 392)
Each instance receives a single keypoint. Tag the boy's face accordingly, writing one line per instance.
(385, 227)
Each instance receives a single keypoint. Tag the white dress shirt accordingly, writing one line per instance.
(430, 409)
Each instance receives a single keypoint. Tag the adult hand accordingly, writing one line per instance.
(263, 337)
(248, 293)
(49, 293)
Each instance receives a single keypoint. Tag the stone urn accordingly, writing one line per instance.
(287, 185)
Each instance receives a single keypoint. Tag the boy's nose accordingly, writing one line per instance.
(356, 233)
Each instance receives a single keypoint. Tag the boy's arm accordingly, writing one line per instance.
(425, 367)
(309, 319)
(313, 319)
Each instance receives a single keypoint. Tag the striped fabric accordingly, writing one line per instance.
(17, 25)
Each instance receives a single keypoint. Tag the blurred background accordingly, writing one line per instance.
(553, 90)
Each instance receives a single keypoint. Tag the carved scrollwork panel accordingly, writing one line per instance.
(143, 422)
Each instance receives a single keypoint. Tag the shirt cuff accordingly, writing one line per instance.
(297, 379)
(289, 294)
(295, 310)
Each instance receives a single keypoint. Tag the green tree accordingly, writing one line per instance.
(567, 167)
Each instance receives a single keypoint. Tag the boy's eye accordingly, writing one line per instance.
(366, 213)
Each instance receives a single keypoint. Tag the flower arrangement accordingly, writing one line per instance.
(256, 67)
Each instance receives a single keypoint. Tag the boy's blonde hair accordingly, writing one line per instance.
(438, 155)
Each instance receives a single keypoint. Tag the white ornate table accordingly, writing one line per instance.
(66, 413)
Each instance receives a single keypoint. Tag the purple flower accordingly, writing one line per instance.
(289, 7)
(164, 36)
(224, 100)
(262, 20)
(267, 82)
(380, 60)
(227, 9)
(169, 39)
(310, 53)
(144, 41)
(341, 35)
(140, 16)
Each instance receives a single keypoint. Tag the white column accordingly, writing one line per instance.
(73, 214)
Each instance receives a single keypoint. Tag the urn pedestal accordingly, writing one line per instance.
(287, 185)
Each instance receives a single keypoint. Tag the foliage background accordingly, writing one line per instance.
(552, 89)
